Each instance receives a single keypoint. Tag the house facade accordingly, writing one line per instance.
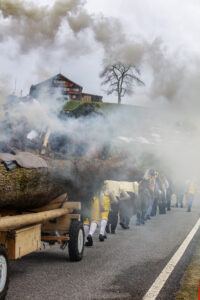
(62, 87)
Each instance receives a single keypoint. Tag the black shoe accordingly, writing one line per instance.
(142, 219)
(138, 220)
(113, 231)
(126, 227)
(89, 242)
(148, 217)
(189, 209)
(107, 229)
(138, 223)
(122, 225)
(101, 238)
(105, 236)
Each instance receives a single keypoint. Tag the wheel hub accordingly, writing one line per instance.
(80, 241)
(3, 272)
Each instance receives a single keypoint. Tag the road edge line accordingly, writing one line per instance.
(158, 284)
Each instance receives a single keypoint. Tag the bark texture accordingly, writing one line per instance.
(31, 188)
(26, 188)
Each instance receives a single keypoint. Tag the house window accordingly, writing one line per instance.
(66, 89)
(73, 96)
(59, 82)
(76, 89)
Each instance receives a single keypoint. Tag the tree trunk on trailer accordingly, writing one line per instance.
(31, 188)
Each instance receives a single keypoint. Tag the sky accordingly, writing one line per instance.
(77, 38)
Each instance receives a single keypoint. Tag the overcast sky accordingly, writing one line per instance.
(79, 54)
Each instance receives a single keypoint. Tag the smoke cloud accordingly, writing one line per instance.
(172, 135)
(65, 27)
(35, 26)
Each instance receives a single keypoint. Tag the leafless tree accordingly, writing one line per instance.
(120, 79)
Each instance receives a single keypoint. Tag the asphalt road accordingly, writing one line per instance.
(122, 267)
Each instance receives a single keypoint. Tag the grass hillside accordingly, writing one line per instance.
(104, 107)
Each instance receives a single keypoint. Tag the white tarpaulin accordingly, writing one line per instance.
(115, 187)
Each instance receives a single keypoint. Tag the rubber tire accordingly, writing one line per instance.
(74, 253)
(4, 253)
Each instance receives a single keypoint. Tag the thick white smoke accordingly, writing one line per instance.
(172, 135)
(66, 28)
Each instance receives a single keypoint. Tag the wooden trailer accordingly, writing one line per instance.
(20, 234)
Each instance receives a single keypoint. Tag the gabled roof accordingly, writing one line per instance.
(48, 81)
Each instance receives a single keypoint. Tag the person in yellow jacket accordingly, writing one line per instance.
(99, 213)
(190, 194)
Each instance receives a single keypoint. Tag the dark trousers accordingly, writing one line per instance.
(125, 212)
(113, 216)
(179, 200)
(162, 208)
(168, 201)
(154, 208)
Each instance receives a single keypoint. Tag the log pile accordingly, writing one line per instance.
(23, 188)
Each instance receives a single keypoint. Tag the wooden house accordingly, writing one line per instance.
(91, 98)
(59, 86)
(62, 87)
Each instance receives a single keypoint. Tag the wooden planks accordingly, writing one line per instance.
(72, 205)
(61, 224)
(23, 241)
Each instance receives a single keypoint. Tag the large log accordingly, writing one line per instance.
(23, 188)
(12, 222)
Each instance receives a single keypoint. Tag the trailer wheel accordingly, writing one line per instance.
(76, 242)
(4, 272)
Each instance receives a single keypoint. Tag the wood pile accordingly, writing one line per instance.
(23, 188)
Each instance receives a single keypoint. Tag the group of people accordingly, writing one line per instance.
(121, 200)
(116, 199)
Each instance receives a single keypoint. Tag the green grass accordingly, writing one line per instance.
(71, 105)
(103, 106)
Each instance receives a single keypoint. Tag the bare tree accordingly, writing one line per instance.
(120, 79)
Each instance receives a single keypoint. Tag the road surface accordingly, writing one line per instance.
(123, 267)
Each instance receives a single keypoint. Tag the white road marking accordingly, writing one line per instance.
(155, 289)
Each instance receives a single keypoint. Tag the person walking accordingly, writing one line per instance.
(163, 193)
(142, 201)
(99, 214)
(124, 209)
(113, 189)
(190, 194)
(152, 179)
(157, 194)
